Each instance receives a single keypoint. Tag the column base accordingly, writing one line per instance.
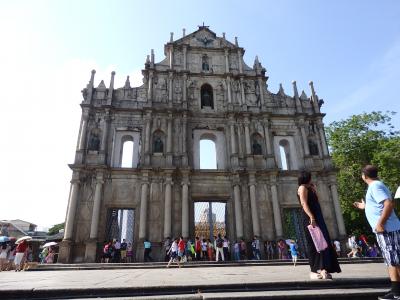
(65, 250)
(91, 251)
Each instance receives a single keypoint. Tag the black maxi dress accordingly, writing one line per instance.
(326, 259)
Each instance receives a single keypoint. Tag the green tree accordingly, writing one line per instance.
(56, 228)
(368, 138)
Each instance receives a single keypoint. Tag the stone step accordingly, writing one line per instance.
(342, 288)
(326, 294)
(191, 264)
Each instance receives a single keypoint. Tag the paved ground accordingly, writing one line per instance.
(83, 279)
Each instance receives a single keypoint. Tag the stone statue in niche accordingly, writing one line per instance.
(236, 91)
(249, 90)
(178, 91)
(192, 84)
(158, 145)
(313, 147)
(221, 91)
(311, 127)
(94, 142)
(204, 65)
(257, 150)
(161, 90)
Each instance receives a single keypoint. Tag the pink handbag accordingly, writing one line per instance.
(318, 238)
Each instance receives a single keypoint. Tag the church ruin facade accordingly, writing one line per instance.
(201, 90)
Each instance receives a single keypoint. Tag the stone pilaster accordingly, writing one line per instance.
(143, 207)
(271, 163)
(238, 207)
(91, 245)
(168, 206)
(276, 209)
(67, 243)
(169, 140)
(253, 204)
(185, 205)
(147, 139)
(338, 210)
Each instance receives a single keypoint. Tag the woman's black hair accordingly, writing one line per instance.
(304, 177)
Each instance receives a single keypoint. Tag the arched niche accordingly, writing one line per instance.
(206, 96)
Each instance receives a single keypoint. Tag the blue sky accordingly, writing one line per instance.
(350, 49)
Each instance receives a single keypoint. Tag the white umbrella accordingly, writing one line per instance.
(397, 195)
(24, 238)
(49, 244)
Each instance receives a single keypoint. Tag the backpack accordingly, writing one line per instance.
(220, 243)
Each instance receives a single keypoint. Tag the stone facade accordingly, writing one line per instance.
(201, 90)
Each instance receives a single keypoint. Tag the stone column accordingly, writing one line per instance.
(253, 203)
(261, 89)
(243, 101)
(277, 211)
(106, 125)
(228, 86)
(171, 57)
(82, 134)
(304, 137)
(184, 57)
(147, 138)
(170, 87)
(150, 88)
(240, 61)
(338, 211)
(169, 140)
(184, 140)
(96, 207)
(143, 209)
(247, 135)
(184, 88)
(323, 140)
(268, 142)
(240, 137)
(168, 206)
(72, 205)
(185, 206)
(296, 97)
(226, 61)
(238, 210)
(91, 244)
(233, 137)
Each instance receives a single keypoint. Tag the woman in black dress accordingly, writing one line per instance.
(322, 263)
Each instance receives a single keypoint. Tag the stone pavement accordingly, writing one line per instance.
(163, 281)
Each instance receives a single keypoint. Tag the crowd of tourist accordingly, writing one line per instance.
(217, 249)
(18, 256)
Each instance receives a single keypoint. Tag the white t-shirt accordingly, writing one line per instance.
(174, 247)
(337, 245)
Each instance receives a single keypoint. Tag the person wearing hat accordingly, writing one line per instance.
(20, 253)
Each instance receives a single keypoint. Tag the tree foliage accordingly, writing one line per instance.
(56, 228)
(367, 138)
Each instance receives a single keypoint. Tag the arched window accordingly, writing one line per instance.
(207, 96)
(256, 144)
(127, 153)
(208, 154)
(284, 154)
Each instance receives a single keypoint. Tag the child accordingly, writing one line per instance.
(293, 252)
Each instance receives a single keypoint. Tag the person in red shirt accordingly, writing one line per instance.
(181, 248)
(197, 248)
(19, 256)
